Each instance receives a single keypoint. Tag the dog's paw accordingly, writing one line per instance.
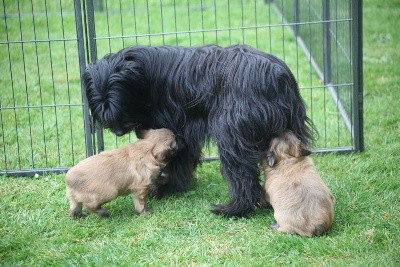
(231, 210)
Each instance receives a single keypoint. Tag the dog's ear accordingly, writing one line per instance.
(270, 158)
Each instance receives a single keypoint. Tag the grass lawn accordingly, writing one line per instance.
(35, 229)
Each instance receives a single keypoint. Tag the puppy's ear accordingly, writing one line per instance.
(141, 133)
(160, 157)
(270, 158)
(304, 152)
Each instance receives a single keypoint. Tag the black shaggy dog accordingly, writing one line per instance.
(238, 96)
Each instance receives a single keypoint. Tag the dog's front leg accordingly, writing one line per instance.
(180, 173)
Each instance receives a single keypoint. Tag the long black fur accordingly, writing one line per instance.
(238, 96)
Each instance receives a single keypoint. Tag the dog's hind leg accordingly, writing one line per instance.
(240, 144)
(245, 193)
(240, 169)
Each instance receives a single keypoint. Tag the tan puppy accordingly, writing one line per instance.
(301, 201)
(130, 169)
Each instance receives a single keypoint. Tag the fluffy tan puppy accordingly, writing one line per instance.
(127, 170)
(301, 201)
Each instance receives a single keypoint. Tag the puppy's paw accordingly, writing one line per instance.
(145, 213)
(77, 215)
(103, 213)
(274, 226)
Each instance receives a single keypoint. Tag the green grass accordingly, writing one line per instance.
(35, 229)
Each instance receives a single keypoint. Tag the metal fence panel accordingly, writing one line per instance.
(41, 112)
(330, 34)
(45, 123)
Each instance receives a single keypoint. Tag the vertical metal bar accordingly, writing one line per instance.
(53, 81)
(283, 32)
(269, 28)
(310, 44)
(67, 79)
(229, 23)
(296, 30)
(296, 16)
(26, 85)
(357, 51)
(327, 42)
(242, 7)
(255, 16)
(122, 23)
(202, 20)
(189, 28)
(93, 57)
(337, 77)
(134, 18)
(2, 137)
(108, 27)
(162, 22)
(99, 5)
(39, 84)
(176, 25)
(12, 85)
(82, 64)
(148, 21)
(215, 22)
(91, 30)
(326, 56)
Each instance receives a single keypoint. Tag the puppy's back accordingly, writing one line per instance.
(96, 165)
(302, 202)
(101, 177)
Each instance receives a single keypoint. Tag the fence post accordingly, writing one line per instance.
(92, 47)
(356, 39)
(81, 53)
(327, 42)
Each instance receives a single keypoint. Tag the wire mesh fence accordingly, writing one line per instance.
(41, 103)
(45, 125)
(328, 33)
